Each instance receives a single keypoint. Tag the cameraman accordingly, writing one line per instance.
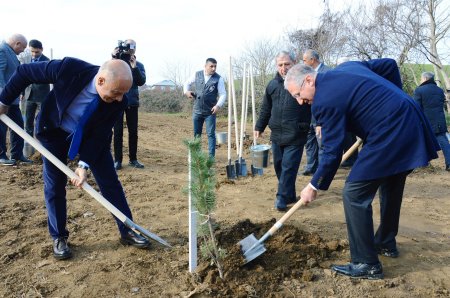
(125, 51)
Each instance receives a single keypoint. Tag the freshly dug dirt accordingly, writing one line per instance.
(298, 256)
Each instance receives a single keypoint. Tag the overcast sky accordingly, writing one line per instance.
(166, 31)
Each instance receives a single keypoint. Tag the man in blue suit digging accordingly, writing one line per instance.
(365, 98)
(77, 118)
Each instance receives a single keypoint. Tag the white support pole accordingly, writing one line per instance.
(192, 224)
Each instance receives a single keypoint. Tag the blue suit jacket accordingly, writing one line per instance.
(366, 98)
(8, 65)
(69, 76)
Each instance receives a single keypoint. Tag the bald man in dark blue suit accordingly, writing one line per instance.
(365, 98)
(78, 88)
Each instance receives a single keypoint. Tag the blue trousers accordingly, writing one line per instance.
(445, 146)
(55, 181)
(358, 197)
(210, 121)
(312, 150)
(286, 160)
(15, 140)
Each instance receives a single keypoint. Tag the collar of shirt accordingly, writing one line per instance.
(318, 66)
(76, 108)
(206, 76)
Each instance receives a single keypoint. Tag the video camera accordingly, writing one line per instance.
(124, 51)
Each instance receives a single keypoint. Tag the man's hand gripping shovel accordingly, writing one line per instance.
(66, 170)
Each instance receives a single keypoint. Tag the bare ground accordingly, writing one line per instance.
(297, 260)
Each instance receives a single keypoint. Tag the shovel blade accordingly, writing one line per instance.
(145, 233)
(243, 167)
(251, 248)
(237, 168)
(256, 171)
(231, 171)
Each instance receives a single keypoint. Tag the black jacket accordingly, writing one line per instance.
(431, 98)
(288, 120)
(139, 78)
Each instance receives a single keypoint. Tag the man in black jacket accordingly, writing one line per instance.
(289, 123)
(131, 112)
(431, 98)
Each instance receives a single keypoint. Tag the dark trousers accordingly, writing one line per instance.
(131, 114)
(286, 160)
(312, 150)
(210, 121)
(55, 183)
(15, 140)
(30, 115)
(358, 197)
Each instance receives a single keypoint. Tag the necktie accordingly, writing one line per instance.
(78, 133)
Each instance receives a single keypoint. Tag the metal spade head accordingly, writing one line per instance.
(231, 171)
(251, 248)
(243, 167)
(256, 171)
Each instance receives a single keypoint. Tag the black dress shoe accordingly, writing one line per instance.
(136, 164)
(117, 165)
(280, 206)
(131, 238)
(389, 252)
(360, 270)
(61, 249)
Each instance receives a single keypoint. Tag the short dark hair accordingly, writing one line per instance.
(212, 60)
(34, 43)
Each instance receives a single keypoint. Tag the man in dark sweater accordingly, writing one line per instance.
(289, 124)
(431, 98)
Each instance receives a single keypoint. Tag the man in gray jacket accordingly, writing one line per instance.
(9, 50)
(312, 59)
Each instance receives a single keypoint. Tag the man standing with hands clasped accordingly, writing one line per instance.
(76, 118)
(208, 86)
(365, 98)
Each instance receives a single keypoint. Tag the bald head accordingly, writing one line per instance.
(113, 80)
(17, 42)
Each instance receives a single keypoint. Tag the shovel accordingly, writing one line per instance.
(241, 165)
(66, 170)
(231, 170)
(255, 171)
(253, 248)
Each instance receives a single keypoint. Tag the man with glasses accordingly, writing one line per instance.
(365, 98)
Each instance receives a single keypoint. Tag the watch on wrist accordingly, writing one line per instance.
(83, 167)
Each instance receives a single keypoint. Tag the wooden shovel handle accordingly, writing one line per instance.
(351, 149)
(61, 166)
(285, 217)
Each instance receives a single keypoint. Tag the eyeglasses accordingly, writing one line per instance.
(298, 95)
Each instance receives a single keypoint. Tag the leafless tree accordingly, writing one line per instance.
(261, 55)
(328, 39)
(176, 71)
